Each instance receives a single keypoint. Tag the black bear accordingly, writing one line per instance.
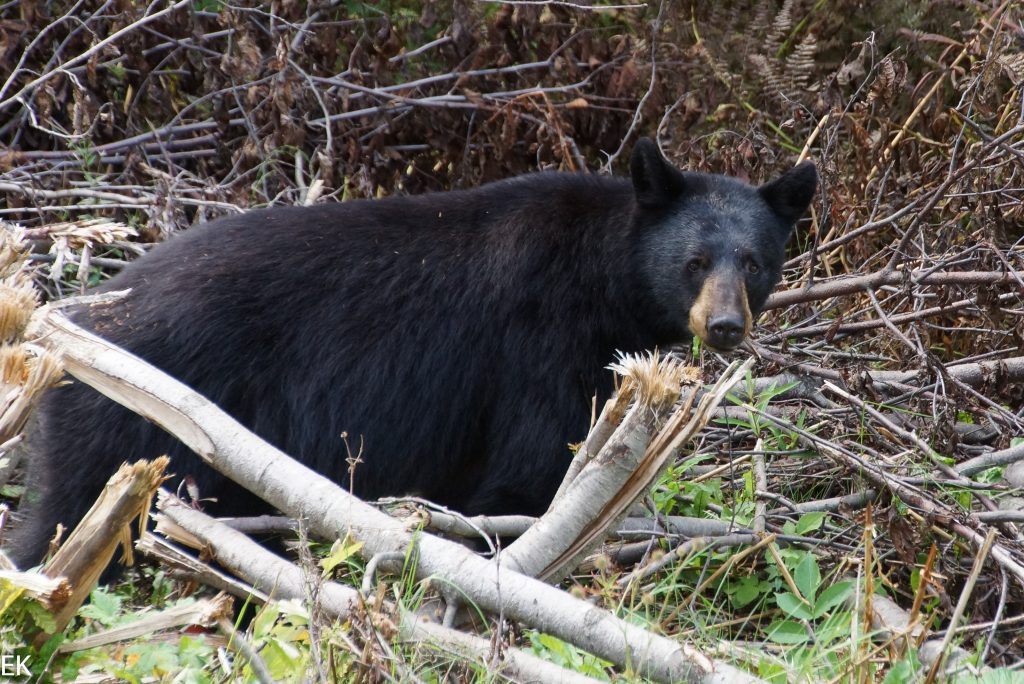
(457, 336)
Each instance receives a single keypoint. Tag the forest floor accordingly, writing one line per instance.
(853, 510)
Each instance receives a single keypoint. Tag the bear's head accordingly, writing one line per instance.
(711, 248)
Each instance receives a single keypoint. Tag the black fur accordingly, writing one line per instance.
(459, 336)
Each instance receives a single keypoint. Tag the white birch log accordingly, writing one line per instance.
(274, 575)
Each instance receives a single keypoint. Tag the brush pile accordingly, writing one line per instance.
(875, 452)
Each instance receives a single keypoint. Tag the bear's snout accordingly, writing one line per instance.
(721, 314)
(726, 331)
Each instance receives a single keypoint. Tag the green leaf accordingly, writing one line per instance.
(831, 597)
(901, 672)
(103, 607)
(767, 395)
(341, 551)
(787, 632)
(834, 628)
(281, 658)
(807, 576)
(809, 522)
(745, 591)
(12, 491)
(263, 623)
(557, 651)
(773, 672)
(43, 618)
(990, 475)
(41, 663)
(793, 606)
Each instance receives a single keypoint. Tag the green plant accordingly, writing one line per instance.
(812, 611)
(568, 656)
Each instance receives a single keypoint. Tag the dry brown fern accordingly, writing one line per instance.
(889, 81)
(800, 64)
(780, 28)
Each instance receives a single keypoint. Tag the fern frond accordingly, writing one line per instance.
(800, 63)
(780, 28)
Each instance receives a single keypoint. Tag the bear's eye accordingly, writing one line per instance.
(694, 265)
(752, 268)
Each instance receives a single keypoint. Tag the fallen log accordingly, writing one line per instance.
(331, 511)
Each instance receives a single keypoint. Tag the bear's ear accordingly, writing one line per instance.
(790, 194)
(655, 181)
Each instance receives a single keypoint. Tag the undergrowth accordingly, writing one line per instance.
(911, 111)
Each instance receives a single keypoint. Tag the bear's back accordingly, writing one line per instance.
(361, 317)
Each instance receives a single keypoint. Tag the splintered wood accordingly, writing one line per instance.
(90, 548)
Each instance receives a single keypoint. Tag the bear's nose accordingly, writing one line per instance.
(725, 332)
